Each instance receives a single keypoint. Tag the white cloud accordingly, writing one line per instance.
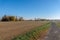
(55, 15)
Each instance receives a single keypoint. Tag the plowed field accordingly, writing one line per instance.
(9, 30)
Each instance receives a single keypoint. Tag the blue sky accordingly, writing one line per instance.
(29, 9)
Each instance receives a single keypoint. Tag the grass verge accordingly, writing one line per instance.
(58, 24)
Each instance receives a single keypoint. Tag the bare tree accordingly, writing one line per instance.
(21, 19)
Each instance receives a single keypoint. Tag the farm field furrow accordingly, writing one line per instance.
(9, 30)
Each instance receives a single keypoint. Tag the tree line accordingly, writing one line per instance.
(11, 18)
(14, 18)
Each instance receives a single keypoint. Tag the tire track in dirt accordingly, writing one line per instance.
(54, 33)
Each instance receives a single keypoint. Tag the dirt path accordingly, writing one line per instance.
(54, 33)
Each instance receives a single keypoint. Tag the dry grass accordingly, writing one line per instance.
(57, 24)
(9, 30)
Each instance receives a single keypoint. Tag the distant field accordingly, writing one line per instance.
(10, 30)
(58, 23)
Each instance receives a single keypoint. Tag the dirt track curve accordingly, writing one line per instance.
(54, 33)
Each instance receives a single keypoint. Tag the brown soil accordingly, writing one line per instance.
(9, 30)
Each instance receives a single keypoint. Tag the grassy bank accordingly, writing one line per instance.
(58, 24)
(34, 34)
